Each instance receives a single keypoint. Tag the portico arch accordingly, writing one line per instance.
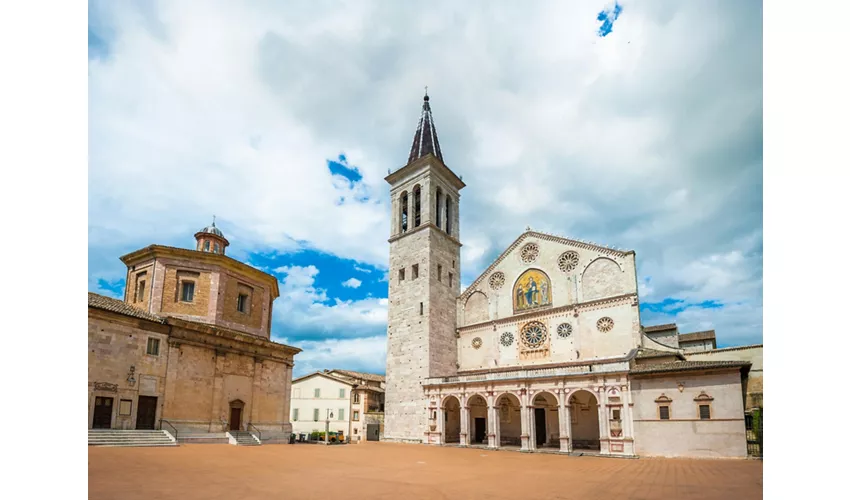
(545, 428)
(508, 422)
(451, 419)
(584, 425)
(477, 408)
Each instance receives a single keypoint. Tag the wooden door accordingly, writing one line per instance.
(373, 432)
(540, 425)
(480, 429)
(102, 413)
(235, 419)
(146, 413)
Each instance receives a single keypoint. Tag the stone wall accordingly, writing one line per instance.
(685, 434)
(753, 354)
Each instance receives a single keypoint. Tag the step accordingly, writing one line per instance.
(114, 437)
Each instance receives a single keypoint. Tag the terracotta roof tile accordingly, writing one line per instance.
(644, 353)
(105, 303)
(365, 376)
(681, 366)
(659, 328)
(692, 337)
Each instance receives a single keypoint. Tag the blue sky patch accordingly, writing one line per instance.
(98, 48)
(607, 17)
(342, 168)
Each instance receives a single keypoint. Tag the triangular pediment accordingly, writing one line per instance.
(520, 241)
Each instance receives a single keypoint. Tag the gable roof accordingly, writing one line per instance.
(695, 336)
(326, 375)
(372, 377)
(546, 237)
(682, 366)
(105, 303)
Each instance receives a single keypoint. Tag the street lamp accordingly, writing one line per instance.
(330, 415)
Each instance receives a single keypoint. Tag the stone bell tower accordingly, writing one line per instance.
(424, 281)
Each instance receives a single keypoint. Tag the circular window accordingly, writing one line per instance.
(529, 252)
(534, 334)
(568, 261)
(564, 330)
(497, 279)
(507, 339)
(605, 324)
(476, 342)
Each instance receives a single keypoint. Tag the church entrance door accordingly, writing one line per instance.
(146, 413)
(480, 430)
(102, 413)
(235, 419)
(540, 425)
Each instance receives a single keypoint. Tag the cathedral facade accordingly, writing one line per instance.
(544, 350)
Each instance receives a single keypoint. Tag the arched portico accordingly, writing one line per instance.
(508, 421)
(584, 424)
(477, 410)
(451, 420)
(544, 428)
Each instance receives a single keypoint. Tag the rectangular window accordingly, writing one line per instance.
(315, 414)
(215, 248)
(317, 393)
(704, 412)
(615, 414)
(664, 412)
(153, 346)
(296, 393)
(125, 407)
(295, 414)
(207, 246)
(242, 303)
(342, 414)
(342, 394)
(355, 415)
(187, 291)
(140, 291)
(451, 278)
(401, 274)
(453, 264)
(439, 272)
(356, 397)
(415, 271)
(421, 309)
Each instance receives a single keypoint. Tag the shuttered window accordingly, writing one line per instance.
(664, 412)
(704, 412)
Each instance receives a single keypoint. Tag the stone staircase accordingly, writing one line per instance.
(243, 438)
(113, 437)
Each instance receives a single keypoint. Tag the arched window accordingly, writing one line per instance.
(449, 214)
(417, 206)
(403, 212)
(439, 207)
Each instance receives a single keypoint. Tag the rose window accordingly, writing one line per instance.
(568, 261)
(529, 252)
(476, 342)
(564, 330)
(534, 334)
(605, 324)
(507, 339)
(497, 279)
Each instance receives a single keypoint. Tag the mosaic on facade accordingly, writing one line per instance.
(532, 289)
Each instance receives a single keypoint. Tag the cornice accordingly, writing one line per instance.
(582, 306)
(214, 337)
(424, 162)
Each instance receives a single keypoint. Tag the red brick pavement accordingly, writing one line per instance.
(399, 471)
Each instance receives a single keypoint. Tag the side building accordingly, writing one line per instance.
(189, 348)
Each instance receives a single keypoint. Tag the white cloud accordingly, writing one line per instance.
(364, 354)
(649, 138)
(352, 283)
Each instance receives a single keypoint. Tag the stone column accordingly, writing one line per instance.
(441, 425)
(563, 422)
(602, 413)
(491, 421)
(568, 416)
(256, 391)
(532, 428)
(523, 417)
(464, 423)
(170, 381)
(217, 412)
(497, 428)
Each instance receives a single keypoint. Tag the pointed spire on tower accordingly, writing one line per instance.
(425, 141)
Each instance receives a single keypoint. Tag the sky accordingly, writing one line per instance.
(636, 125)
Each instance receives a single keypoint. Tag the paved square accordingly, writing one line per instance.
(411, 472)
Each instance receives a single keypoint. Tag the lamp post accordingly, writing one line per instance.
(328, 418)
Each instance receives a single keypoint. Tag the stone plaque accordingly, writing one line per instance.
(105, 386)
(125, 408)
(147, 385)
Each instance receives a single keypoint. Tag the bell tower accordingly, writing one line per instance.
(424, 281)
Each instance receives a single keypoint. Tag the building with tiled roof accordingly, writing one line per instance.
(545, 348)
(189, 350)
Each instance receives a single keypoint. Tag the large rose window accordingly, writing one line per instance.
(534, 334)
